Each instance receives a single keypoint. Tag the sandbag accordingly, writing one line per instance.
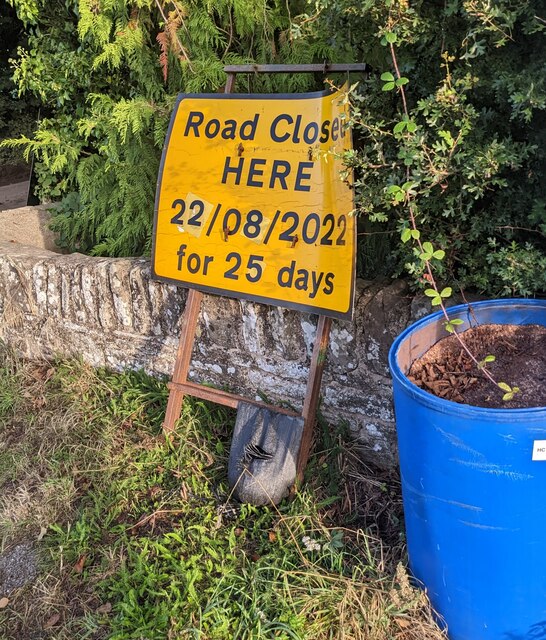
(263, 454)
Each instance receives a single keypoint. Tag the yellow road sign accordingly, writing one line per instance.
(250, 202)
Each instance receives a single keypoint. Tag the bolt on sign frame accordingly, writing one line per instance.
(180, 386)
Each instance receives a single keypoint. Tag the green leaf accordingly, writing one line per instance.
(446, 135)
(436, 301)
(406, 235)
(388, 87)
(439, 254)
(482, 363)
(411, 127)
(431, 293)
(401, 82)
(393, 188)
(446, 292)
(504, 386)
(450, 326)
(428, 248)
(390, 37)
(415, 234)
(398, 128)
(387, 77)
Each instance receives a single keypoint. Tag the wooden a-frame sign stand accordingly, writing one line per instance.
(180, 386)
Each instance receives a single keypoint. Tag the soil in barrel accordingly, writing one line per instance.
(447, 371)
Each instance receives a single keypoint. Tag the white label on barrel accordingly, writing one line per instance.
(539, 450)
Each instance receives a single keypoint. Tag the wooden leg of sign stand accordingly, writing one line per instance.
(183, 358)
(180, 385)
(312, 394)
(187, 338)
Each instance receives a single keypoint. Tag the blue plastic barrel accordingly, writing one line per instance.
(474, 492)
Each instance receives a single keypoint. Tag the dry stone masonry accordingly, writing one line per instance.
(110, 312)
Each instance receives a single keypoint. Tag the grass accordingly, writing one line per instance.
(137, 538)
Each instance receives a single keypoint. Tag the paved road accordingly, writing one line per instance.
(13, 196)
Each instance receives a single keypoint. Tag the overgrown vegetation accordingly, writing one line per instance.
(470, 151)
(452, 125)
(136, 537)
(107, 72)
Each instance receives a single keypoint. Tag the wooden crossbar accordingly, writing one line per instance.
(226, 398)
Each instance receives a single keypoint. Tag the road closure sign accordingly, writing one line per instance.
(251, 202)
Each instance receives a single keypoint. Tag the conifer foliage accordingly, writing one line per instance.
(107, 73)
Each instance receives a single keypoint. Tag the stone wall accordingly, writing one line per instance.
(111, 313)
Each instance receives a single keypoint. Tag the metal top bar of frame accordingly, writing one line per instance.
(326, 67)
